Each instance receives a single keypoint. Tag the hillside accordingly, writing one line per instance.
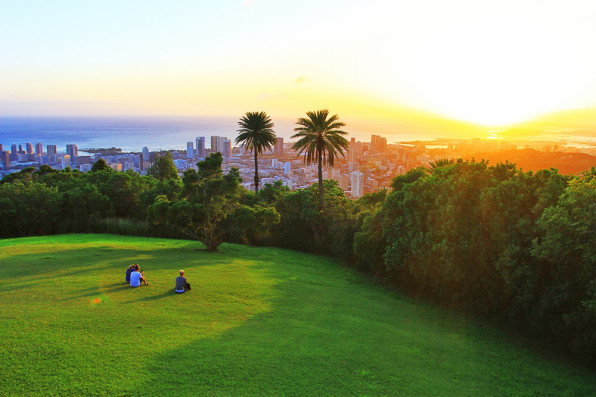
(534, 160)
(257, 321)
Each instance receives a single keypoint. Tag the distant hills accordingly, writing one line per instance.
(531, 159)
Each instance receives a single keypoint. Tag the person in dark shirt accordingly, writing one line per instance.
(128, 271)
(181, 284)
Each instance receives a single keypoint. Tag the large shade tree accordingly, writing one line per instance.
(320, 137)
(163, 168)
(256, 133)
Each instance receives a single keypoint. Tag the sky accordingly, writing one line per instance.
(481, 62)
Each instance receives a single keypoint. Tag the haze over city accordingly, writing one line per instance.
(476, 68)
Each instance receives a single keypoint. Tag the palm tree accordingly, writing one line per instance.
(433, 166)
(256, 133)
(320, 137)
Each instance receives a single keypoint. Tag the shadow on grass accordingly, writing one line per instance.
(340, 337)
(63, 265)
(94, 291)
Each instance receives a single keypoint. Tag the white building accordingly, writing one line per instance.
(85, 167)
(181, 165)
(357, 179)
(217, 143)
(65, 161)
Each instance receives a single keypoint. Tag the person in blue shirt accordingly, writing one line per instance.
(128, 271)
(136, 277)
(181, 284)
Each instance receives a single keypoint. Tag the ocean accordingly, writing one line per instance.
(127, 133)
(134, 133)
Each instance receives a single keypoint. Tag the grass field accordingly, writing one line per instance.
(257, 321)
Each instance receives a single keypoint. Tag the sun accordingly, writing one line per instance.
(489, 63)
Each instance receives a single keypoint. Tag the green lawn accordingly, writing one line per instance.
(258, 321)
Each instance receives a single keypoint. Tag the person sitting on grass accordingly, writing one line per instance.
(128, 271)
(181, 284)
(136, 277)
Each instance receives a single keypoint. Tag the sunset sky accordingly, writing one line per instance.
(490, 63)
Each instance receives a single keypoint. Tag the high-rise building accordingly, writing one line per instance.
(217, 144)
(354, 151)
(279, 146)
(357, 179)
(378, 143)
(287, 167)
(227, 149)
(72, 151)
(52, 150)
(146, 153)
(1, 148)
(14, 154)
(190, 152)
(344, 181)
(38, 149)
(200, 149)
(66, 161)
(29, 147)
(21, 151)
(6, 159)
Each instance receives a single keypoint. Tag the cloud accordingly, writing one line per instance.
(248, 3)
(302, 79)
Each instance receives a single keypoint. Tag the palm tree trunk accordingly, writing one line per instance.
(256, 174)
(321, 203)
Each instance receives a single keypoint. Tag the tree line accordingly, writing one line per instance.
(516, 247)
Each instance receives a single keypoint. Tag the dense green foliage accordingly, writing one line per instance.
(163, 168)
(517, 247)
(210, 206)
(258, 321)
(510, 245)
(256, 134)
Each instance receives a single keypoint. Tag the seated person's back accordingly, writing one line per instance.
(181, 283)
(136, 277)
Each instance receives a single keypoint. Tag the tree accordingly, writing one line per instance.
(210, 209)
(434, 165)
(163, 168)
(100, 165)
(302, 227)
(567, 254)
(256, 134)
(320, 137)
(23, 175)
